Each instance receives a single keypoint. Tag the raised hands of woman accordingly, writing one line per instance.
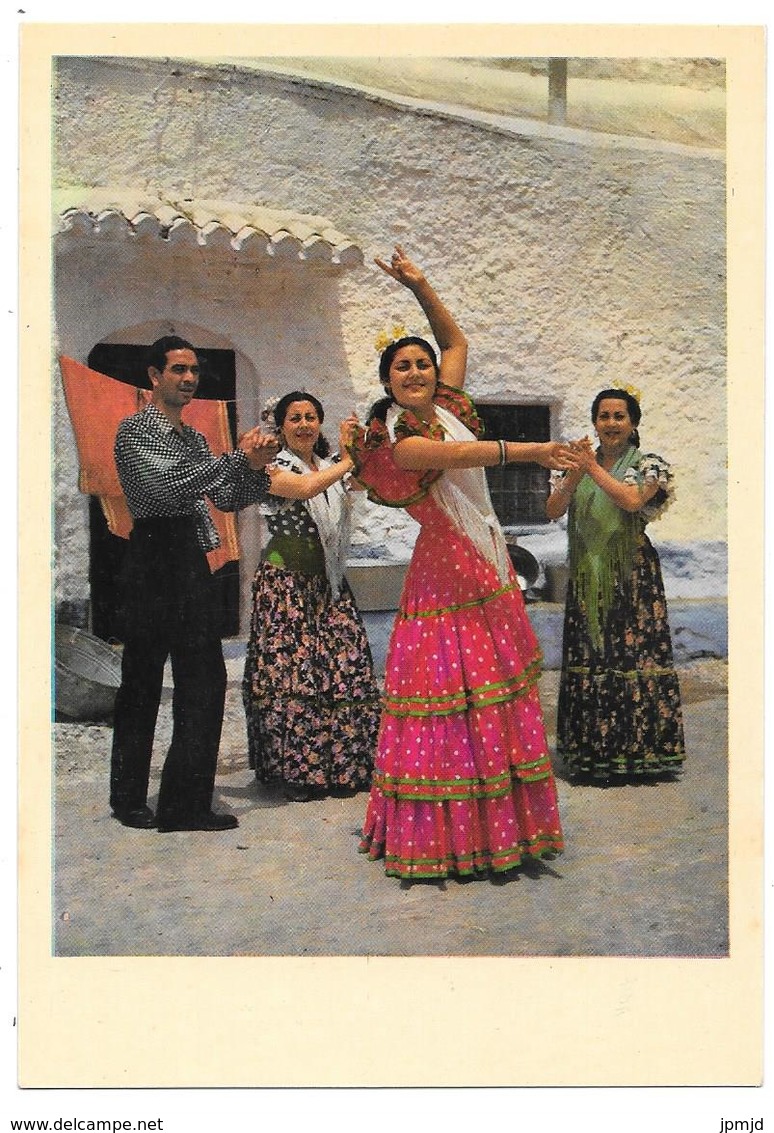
(583, 453)
(402, 268)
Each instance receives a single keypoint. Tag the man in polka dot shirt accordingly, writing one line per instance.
(166, 602)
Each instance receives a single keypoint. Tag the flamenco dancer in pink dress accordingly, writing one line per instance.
(463, 783)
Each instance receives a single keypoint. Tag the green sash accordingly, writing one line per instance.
(298, 553)
(602, 539)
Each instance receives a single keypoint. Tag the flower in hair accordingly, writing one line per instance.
(386, 337)
(267, 413)
(632, 391)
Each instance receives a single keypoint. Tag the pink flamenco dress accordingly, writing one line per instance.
(463, 782)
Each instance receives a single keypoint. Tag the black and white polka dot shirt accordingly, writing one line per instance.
(163, 472)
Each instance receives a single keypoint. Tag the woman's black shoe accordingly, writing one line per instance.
(299, 793)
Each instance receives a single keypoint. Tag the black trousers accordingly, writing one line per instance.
(167, 611)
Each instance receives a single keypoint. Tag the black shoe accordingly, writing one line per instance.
(207, 821)
(296, 794)
(140, 817)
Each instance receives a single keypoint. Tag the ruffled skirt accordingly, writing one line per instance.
(311, 701)
(619, 712)
(463, 782)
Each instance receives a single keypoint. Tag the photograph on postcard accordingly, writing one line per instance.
(391, 420)
(570, 216)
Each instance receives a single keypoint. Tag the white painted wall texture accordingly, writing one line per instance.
(572, 261)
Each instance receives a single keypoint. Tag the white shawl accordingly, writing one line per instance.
(330, 511)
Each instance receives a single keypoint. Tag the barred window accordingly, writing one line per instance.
(519, 491)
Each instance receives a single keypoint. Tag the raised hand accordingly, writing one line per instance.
(583, 452)
(260, 448)
(346, 431)
(248, 439)
(402, 269)
(553, 454)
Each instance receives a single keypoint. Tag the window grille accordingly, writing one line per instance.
(519, 491)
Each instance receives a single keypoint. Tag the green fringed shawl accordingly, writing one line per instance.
(602, 541)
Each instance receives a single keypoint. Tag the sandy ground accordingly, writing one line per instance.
(644, 872)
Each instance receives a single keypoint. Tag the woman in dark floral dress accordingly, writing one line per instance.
(619, 713)
(310, 697)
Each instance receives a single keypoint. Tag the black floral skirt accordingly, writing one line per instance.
(619, 713)
(310, 696)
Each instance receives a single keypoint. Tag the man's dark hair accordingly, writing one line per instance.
(157, 352)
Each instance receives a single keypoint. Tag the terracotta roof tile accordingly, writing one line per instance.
(224, 226)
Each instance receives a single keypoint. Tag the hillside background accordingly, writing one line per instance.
(676, 100)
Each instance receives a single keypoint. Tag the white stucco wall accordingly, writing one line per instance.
(571, 260)
(273, 352)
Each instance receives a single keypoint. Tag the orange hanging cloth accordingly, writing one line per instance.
(97, 405)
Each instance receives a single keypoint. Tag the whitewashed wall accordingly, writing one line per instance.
(572, 261)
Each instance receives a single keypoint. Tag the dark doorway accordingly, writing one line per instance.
(127, 363)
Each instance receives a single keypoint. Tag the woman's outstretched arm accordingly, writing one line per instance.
(420, 453)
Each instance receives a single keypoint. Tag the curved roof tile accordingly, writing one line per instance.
(223, 226)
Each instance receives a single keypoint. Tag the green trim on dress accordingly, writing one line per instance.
(483, 861)
(471, 605)
(420, 789)
(465, 699)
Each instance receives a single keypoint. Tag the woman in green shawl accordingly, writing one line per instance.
(619, 717)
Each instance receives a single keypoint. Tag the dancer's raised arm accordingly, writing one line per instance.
(451, 341)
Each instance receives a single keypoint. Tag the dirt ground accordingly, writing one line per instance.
(644, 872)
